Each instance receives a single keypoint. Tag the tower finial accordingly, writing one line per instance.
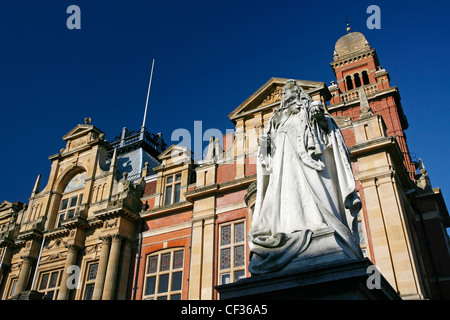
(348, 26)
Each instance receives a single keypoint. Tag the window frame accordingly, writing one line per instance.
(171, 197)
(169, 293)
(47, 289)
(12, 286)
(232, 269)
(63, 214)
(89, 282)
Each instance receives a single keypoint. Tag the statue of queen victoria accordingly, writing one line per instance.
(306, 203)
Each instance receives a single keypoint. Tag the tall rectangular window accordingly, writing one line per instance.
(164, 275)
(91, 275)
(173, 189)
(231, 252)
(12, 287)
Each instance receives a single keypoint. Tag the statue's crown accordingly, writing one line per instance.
(290, 85)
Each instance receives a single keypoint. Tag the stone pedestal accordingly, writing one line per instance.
(339, 280)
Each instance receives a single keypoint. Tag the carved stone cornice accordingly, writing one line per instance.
(201, 192)
(116, 211)
(354, 57)
(57, 233)
(32, 234)
(75, 223)
(184, 205)
(6, 242)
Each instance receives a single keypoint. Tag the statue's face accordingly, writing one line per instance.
(289, 94)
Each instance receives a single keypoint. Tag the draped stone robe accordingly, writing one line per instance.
(305, 183)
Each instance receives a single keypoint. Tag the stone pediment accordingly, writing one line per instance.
(174, 149)
(7, 208)
(81, 135)
(80, 131)
(5, 205)
(270, 94)
(174, 155)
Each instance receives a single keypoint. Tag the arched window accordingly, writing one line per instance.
(71, 198)
(349, 81)
(365, 78)
(357, 80)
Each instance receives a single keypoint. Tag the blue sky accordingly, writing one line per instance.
(210, 56)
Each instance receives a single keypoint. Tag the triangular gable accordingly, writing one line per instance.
(5, 205)
(80, 130)
(7, 208)
(175, 149)
(270, 93)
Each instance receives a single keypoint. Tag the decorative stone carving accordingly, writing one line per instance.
(116, 238)
(106, 238)
(306, 202)
(53, 256)
(274, 97)
(110, 223)
(52, 244)
(72, 248)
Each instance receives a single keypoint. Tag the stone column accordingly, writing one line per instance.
(207, 289)
(399, 246)
(125, 271)
(70, 260)
(240, 149)
(101, 272)
(112, 270)
(195, 271)
(24, 275)
(201, 277)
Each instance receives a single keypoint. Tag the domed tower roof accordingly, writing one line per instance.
(351, 43)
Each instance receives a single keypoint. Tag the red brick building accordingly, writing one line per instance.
(148, 222)
(403, 222)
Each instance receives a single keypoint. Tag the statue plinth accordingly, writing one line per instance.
(339, 280)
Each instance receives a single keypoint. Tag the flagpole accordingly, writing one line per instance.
(148, 93)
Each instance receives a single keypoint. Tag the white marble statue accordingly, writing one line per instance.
(305, 183)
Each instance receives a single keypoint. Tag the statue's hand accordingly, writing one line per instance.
(317, 112)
